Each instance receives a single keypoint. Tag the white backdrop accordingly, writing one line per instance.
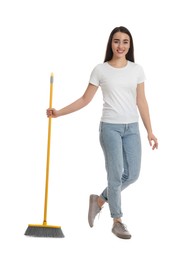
(69, 38)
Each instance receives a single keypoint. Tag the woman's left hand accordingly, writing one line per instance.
(153, 141)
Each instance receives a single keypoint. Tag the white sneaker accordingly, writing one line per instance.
(120, 230)
(94, 209)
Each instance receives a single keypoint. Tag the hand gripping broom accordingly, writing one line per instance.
(44, 230)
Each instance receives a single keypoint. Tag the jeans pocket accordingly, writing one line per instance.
(134, 127)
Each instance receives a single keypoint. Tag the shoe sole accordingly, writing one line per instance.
(122, 237)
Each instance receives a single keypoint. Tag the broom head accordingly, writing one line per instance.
(44, 231)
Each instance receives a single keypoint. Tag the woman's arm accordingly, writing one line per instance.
(145, 115)
(76, 105)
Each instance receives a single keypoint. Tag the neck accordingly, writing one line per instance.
(118, 63)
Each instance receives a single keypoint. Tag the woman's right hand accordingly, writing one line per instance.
(52, 112)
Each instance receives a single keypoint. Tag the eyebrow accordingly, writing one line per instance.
(119, 39)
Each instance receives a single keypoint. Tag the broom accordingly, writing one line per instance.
(45, 230)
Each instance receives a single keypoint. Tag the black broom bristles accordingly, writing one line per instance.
(44, 231)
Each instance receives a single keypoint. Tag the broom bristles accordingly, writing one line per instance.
(44, 231)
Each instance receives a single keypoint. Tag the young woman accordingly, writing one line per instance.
(122, 84)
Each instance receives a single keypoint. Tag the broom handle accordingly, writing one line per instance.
(48, 152)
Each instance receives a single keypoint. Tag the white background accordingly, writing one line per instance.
(69, 38)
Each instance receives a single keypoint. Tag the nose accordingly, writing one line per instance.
(120, 45)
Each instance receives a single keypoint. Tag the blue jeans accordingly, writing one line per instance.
(121, 145)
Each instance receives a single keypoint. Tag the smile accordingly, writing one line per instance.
(120, 52)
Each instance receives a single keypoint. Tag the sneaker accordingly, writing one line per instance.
(94, 209)
(120, 230)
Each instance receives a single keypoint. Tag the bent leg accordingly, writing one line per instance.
(111, 142)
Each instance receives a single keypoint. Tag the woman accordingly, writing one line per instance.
(122, 84)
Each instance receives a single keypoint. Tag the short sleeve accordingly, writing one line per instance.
(94, 77)
(141, 75)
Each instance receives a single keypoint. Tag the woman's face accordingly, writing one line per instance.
(120, 44)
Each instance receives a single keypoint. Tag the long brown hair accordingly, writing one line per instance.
(109, 52)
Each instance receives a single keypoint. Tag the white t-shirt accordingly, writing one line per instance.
(119, 91)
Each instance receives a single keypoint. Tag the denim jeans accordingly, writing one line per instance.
(121, 145)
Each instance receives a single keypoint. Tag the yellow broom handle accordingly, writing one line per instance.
(48, 152)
